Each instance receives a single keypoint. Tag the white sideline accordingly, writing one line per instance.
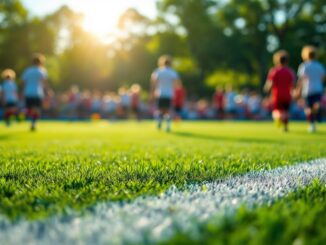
(158, 218)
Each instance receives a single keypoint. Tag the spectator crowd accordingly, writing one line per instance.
(225, 104)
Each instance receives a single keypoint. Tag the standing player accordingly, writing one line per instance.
(34, 83)
(280, 81)
(179, 99)
(311, 76)
(219, 102)
(163, 81)
(135, 100)
(9, 94)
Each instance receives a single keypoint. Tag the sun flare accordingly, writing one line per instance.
(101, 19)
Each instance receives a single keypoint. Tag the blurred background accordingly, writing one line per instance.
(94, 46)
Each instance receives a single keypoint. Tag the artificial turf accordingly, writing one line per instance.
(66, 166)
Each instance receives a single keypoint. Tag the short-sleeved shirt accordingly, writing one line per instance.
(313, 74)
(9, 90)
(33, 78)
(282, 79)
(165, 78)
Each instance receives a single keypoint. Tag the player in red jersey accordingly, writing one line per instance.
(219, 102)
(179, 99)
(280, 82)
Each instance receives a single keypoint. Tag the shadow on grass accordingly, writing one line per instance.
(223, 138)
(4, 137)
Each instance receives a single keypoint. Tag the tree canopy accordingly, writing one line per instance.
(213, 42)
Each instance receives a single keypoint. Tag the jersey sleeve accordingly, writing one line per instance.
(154, 75)
(24, 76)
(44, 74)
(271, 75)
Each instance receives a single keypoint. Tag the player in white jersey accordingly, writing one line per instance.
(9, 94)
(34, 82)
(163, 81)
(311, 75)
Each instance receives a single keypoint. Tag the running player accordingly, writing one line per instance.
(135, 100)
(311, 76)
(163, 81)
(34, 83)
(219, 102)
(9, 94)
(280, 81)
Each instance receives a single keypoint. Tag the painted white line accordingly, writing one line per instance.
(158, 218)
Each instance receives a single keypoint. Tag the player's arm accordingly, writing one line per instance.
(301, 78)
(300, 83)
(176, 81)
(269, 81)
(45, 85)
(268, 86)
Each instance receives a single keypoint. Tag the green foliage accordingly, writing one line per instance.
(206, 36)
(236, 79)
(66, 165)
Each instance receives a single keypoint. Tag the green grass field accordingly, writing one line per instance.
(66, 166)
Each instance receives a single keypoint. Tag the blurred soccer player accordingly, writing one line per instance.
(9, 94)
(311, 76)
(135, 91)
(280, 81)
(179, 99)
(219, 102)
(34, 82)
(163, 81)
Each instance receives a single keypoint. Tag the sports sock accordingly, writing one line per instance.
(168, 122)
(159, 119)
(7, 117)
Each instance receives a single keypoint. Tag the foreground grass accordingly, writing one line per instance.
(75, 165)
(298, 219)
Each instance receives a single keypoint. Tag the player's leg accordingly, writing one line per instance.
(159, 118)
(35, 115)
(276, 114)
(285, 115)
(317, 110)
(311, 113)
(285, 120)
(7, 116)
(10, 112)
(167, 118)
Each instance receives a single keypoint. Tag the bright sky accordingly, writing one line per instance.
(100, 15)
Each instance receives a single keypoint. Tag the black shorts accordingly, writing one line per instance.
(164, 103)
(313, 99)
(33, 102)
(282, 105)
